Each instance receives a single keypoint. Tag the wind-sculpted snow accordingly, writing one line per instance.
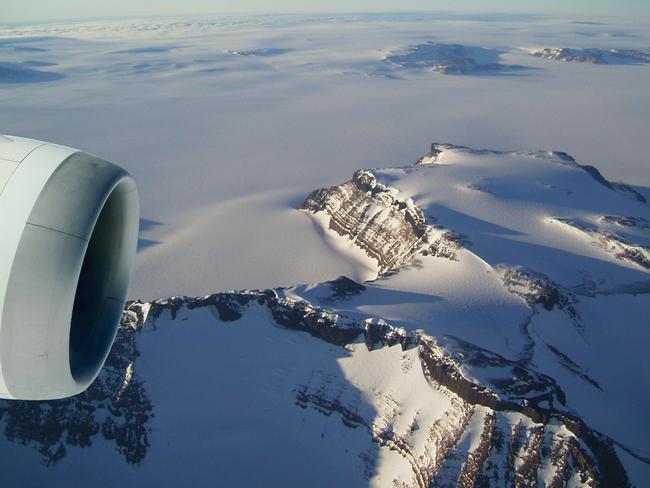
(451, 59)
(15, 73)
(593, 55)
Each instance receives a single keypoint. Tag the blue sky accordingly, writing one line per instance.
(25, 10)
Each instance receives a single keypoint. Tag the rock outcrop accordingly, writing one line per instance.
(389, 229)
(613, 243)
(451, 59)
(593, 55)
(510, 448)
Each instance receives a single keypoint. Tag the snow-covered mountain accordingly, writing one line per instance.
(448, 59)
(593, 55)
(502, 343)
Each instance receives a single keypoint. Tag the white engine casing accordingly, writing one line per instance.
(68, 238)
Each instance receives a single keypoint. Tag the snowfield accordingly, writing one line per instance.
(469, 360)
(466, 317)
(511, 209)
(227, 122)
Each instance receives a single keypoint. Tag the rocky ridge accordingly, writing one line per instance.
(540, 293)
(389, 229)
(507, 422)
(450, 59)
(516, 426)
(611, 242)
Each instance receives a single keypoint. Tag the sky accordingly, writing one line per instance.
(50, 10)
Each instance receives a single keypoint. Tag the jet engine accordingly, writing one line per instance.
(68, 236)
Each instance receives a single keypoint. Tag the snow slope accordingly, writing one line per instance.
(546, 243)
(504, 321)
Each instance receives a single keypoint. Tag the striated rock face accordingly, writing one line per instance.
(117, 408)
(519, 438)
(497, 382)
(477, 375)
(387, 228)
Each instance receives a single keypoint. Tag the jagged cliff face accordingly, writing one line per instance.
(388, 229)
(540, 240)
(476, 358)
(453, 433)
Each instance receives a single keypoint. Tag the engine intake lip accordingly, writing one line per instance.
(102, 285)
(69, 279)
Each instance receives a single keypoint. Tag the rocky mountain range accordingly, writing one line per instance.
(451, 59)
(593, 55)
(502, 343)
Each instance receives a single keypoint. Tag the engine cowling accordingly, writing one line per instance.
(68, 236)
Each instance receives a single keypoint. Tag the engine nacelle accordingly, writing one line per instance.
(68, 237)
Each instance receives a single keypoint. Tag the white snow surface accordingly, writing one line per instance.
(228, 122)
(244, 427)
(506, 206)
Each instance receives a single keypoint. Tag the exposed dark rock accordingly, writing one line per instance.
(638, 222)
(379, 334)
(446, 245)
(343, 287)
(605, 464)
(432, 156)
(115, 409)
(515, 388)
(388, 229)
(568, 363)
(594, 55)
(637, 254)
(327, 406)
(328, 326)
(538, 289)
(470, 471)
(613, 243)
(172, 304)
(228, 305)
(620, 187)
